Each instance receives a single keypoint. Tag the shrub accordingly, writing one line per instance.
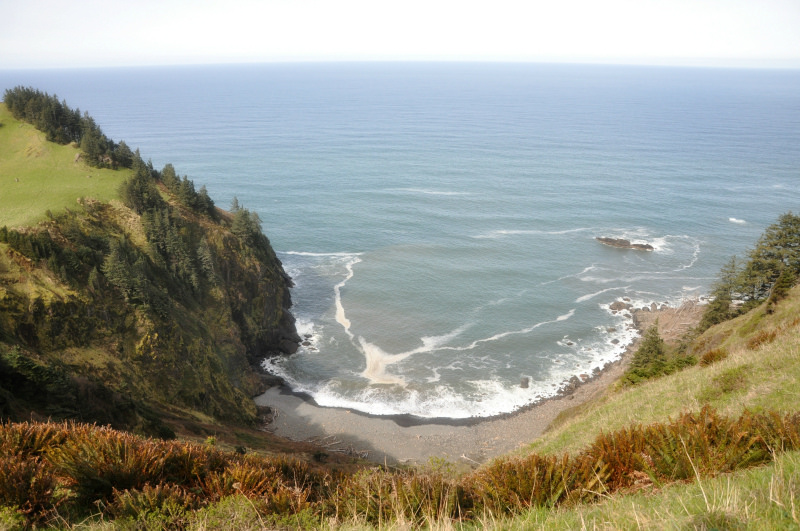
(510, 485)
(713, 356)
(11, 518)
(169, 501)
(147, 484)
(30, 439)
(30, 485)
(108, 461)
(762, 337)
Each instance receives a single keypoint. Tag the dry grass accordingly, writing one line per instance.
(69, 471)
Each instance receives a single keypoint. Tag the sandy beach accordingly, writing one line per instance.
(469, 441)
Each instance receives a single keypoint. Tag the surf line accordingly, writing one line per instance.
(511, 332)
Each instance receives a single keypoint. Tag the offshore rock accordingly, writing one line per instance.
(622, 243)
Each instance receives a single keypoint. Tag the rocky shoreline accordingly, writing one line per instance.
(406, 439)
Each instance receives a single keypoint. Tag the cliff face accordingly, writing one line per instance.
(127, 313)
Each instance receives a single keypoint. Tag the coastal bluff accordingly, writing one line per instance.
(145, 307)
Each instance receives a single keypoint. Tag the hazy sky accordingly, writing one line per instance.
(50, 33)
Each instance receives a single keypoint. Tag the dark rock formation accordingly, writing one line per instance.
(618, 306)
(622, 243)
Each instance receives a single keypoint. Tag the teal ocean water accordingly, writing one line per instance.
(439, 220)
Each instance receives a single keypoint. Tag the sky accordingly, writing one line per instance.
(98, 33)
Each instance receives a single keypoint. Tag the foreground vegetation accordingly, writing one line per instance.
(65, 473)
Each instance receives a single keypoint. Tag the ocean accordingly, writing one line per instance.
(439, 220)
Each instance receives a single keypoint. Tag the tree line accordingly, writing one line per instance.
(770, 269)
(178, 249)
(64, 125)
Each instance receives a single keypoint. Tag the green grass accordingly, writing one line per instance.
(758, 378)
(761, 498)
(37, 176)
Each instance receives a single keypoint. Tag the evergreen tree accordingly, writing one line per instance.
(169, 177)
(123, 155)
(205, 204)
(776, 250)
(650, 359)
(206, 260)
(651, 354)
(772, 267)
(786, 280)
(139, 191)
(717, 311)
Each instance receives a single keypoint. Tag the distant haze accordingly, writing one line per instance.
(89, 33)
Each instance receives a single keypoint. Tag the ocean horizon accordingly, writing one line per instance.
(439, 220)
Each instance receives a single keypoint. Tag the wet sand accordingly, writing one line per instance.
(469, 441)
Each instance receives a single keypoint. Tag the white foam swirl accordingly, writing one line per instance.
(341, 317)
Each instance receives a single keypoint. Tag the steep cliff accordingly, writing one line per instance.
(129, 310)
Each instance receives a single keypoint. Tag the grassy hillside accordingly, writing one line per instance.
(761, 371)
(126, 298)
(37, 175)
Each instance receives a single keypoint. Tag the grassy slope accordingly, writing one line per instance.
(753, 376)
(760, 498)
(36, 175)
(761, 372)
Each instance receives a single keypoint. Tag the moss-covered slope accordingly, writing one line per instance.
(124, 312)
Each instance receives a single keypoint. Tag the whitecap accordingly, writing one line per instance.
(566, 315)
(502, 335)
(589, 296)
(739, 221)
(599, 280)
(527, 232)
(574, 275)
(435, 378)
(307, 253)
(427, 191)
(695, 256)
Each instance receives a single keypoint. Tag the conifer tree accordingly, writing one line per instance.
(649, 360)
(778, 248)
(651, 354)
(781, 288)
